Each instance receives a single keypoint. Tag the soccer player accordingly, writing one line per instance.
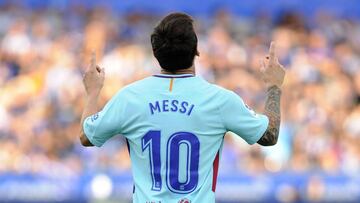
(175, 122)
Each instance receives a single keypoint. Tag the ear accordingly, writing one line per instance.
(197, 53)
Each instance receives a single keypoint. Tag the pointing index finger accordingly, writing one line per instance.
(272, 52)
(93, 60)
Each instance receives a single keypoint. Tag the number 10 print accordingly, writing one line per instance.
(151, 140)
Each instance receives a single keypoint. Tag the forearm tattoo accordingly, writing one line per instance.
(272, 111)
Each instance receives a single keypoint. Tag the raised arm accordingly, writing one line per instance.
(273, 75)
(93, 81)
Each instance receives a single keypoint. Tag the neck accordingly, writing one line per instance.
(190, 70)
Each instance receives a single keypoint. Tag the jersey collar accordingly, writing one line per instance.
(174, 76)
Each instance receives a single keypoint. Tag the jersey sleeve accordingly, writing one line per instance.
(242, 120)
(106, 123)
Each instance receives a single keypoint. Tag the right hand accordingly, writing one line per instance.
(272, 71)
(93, 78)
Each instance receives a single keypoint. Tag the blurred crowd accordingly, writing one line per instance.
(43, 54)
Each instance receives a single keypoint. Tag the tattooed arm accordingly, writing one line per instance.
(272, 111)
(273, 74)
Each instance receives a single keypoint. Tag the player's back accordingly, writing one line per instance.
(175, 125)
(178, 137)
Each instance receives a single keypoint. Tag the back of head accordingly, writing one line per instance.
(174, 42)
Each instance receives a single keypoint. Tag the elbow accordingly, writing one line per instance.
(268, 143)
(269, 139)
(273, 141)
(85, 141)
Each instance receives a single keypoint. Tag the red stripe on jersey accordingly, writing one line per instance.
(171, 84)
(215, 171)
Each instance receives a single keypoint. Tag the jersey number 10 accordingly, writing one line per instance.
(152, 140)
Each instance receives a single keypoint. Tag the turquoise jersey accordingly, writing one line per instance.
(175, 127)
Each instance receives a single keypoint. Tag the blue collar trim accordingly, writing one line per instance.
(174, 76)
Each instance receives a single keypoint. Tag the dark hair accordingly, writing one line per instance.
(174, 42)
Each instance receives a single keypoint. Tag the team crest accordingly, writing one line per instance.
(184, 200)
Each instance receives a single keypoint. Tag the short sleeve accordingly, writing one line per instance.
(103, 125)
(242, 120)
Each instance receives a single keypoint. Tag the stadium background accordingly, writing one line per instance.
(44, 49)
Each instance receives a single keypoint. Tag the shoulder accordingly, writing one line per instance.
(223, 92)
(206, 85)
(220, 94)
(139, 83)
(227, 97)
(135, 87)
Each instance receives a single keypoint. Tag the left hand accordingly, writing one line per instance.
(94, 78)
(272, 71)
